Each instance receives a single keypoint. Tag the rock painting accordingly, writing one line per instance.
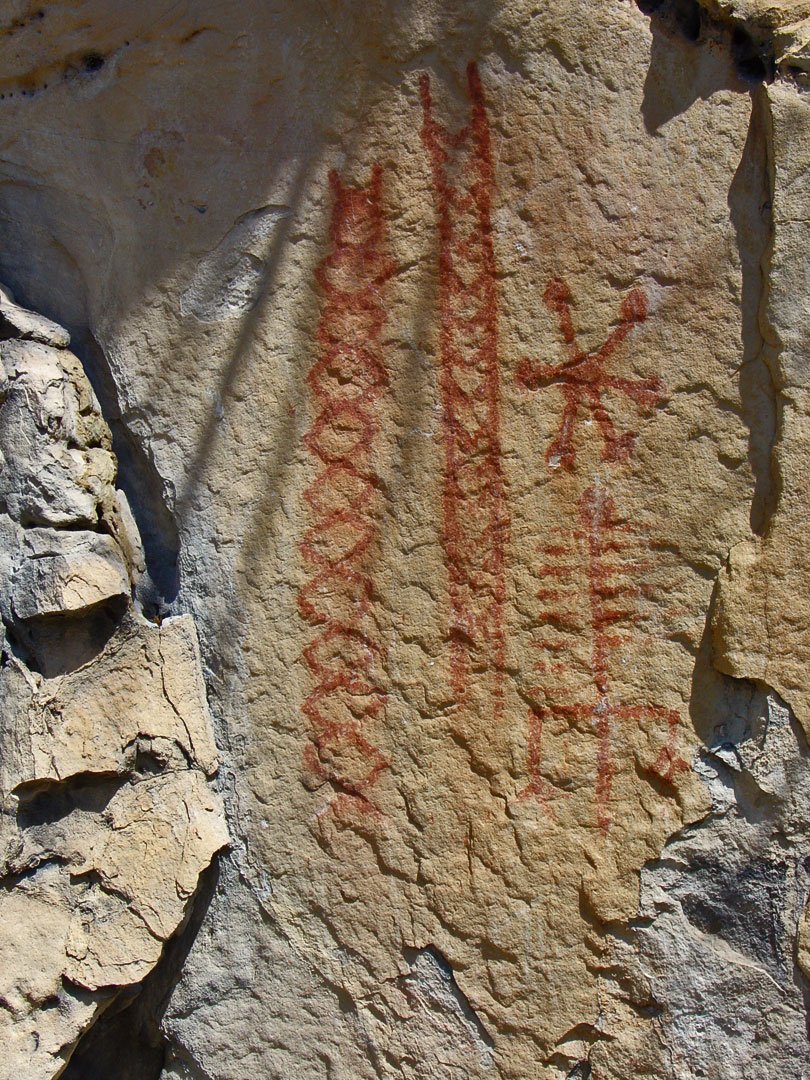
(475, 525)
(584, 380)
(589, 601)
(589, 610)
(348, 382)
(593, 576)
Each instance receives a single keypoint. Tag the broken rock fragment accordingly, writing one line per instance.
(107, 813)
(19, 322)
(67, 572)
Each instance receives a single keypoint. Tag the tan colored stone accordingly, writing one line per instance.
(57, 466)
(40, 1017)
(27, 325)
(145, 684)
(161, 834)
(803, 950)
(67, 572)
(762, 626)
(439, 325)
(768, 13)
(109, 944)
(107, 819)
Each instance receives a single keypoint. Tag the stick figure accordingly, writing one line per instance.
(583, 379)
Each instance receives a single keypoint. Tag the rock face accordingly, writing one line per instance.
(449, 384)
(107, 818)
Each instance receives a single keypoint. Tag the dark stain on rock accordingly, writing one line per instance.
(92, 62)
(743, 905)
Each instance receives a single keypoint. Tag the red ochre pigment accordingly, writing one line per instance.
(583, 379)
(601, 553)
(348, 382)
(611, 568)
(475, 514)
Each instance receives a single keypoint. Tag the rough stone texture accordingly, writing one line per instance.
(67, 572)
(762, 627)
(107, 818)
(17, 322)
(459, 350)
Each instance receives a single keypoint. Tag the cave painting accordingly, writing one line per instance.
(591, 571)
(475, 526)
(593, 579)
(603, 558)
(348, 382)
(583, 379)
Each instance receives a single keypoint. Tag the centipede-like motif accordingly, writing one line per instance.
(579, 631)
(583, 379)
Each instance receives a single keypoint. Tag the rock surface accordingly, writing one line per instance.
(459, 350)
(67, 572)
(107, 818)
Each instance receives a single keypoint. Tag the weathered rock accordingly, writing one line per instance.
(57, 466)
(466, 345)
(107, 819)
(41, 1015)
(18, 322)
(762, 627)
(145, 685)
(67, 572)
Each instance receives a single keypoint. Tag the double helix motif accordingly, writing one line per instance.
(348, 381)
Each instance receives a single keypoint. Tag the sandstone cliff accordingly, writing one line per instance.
(405, 427)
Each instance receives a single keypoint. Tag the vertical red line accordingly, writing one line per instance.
(500, 525)
(596, 518)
